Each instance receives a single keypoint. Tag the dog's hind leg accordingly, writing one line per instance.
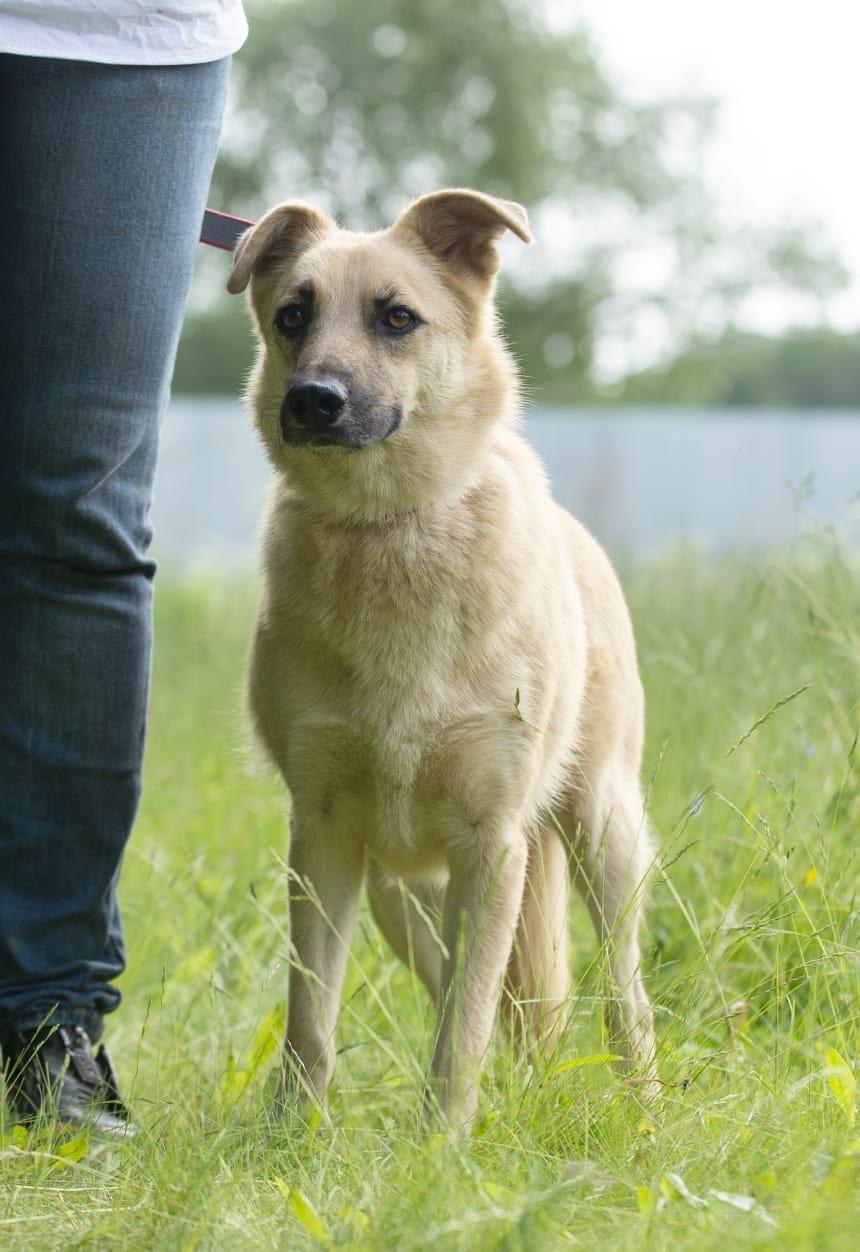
(537, 982)
(611, 855)
(482, 905)
(410, 917)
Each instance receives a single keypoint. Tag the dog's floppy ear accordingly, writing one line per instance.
(459, 227)
(282, 234)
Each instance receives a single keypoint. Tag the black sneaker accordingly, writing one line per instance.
(54, 1072)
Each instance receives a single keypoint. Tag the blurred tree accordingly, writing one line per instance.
(367, 102)
(802, 369)
(360, 105)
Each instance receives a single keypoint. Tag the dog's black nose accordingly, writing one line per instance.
(314, 403)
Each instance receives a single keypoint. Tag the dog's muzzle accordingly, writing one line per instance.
(316, 405)
(321, 413)
(314, 412)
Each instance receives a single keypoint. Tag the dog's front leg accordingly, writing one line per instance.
(482, 905)
(324, 882)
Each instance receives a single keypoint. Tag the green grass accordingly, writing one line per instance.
(752, 962)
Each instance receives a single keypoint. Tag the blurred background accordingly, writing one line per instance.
(688, 322)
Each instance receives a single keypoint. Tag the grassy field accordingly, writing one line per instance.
(753, 679)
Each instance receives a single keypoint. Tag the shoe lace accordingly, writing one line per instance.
(80, 1058)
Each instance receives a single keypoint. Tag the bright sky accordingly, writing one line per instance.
(788, 75)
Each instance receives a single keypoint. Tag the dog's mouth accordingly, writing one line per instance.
(353, 430)
(322, 446)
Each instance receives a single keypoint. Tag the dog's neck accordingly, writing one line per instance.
(393, 520)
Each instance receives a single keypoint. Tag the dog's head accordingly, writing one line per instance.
(380, 369)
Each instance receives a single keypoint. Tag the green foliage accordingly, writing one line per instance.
(566, 308)
(216, 349)
(371, 103)
(751, 958)
(804, 369)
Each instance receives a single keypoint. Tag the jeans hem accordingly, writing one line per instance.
(89, 1019)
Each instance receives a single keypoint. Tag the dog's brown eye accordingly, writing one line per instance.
(291, 317)
(399, 319)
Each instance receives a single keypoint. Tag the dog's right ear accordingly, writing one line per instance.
(281, 235)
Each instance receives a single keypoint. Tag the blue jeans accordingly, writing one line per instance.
(104, 174)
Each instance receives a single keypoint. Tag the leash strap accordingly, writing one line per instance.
(221, 230)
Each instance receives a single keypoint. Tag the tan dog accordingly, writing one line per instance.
(444, 668)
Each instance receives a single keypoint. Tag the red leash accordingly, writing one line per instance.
(221, 230)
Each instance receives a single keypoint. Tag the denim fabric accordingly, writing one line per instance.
(104, 173)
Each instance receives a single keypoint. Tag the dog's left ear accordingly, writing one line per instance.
(459, 227)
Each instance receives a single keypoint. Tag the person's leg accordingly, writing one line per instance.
(105, 172)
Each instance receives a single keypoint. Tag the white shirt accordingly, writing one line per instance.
(123, 32)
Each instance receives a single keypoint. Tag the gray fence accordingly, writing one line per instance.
(639, 478)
